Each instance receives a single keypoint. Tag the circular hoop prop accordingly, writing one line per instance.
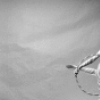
(79, 85)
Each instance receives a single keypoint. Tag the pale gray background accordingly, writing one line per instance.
(37, 39)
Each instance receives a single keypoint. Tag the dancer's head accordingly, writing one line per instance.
(98, 71)
(98, 74)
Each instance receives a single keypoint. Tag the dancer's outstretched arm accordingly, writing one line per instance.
(84, 69)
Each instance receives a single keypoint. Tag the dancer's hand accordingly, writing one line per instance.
(71, 66)
(76, 71)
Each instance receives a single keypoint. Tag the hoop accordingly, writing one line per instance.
(82, 89)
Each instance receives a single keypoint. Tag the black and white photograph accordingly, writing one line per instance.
(49, 49)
